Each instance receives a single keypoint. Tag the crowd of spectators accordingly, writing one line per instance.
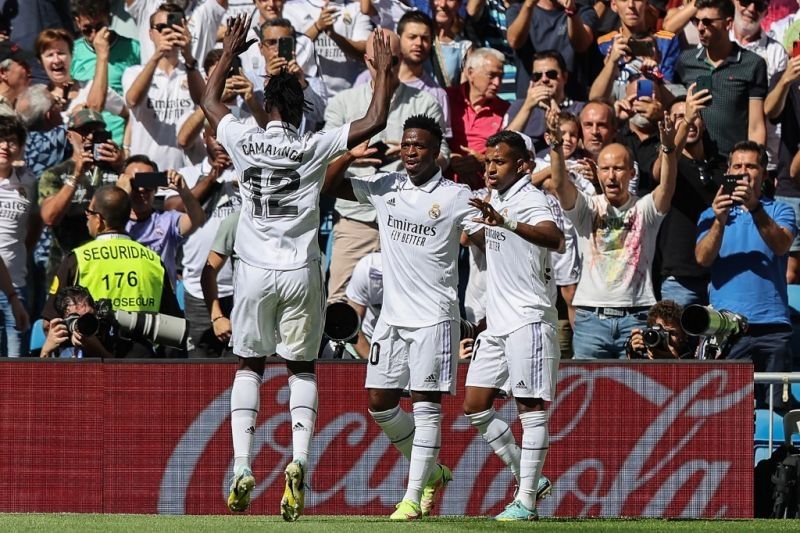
(94, 92)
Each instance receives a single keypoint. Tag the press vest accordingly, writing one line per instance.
(129, 274)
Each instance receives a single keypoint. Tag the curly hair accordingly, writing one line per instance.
(424, 122)
(667, 310)
(284, 93)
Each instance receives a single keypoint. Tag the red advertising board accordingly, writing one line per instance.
(627, 439)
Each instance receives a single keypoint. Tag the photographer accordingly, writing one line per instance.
(664, 338)
(64, 339)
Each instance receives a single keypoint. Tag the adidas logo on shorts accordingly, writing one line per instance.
(520, 385)
(431, 379)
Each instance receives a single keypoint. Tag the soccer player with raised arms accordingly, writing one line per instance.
(278, 290)
(520, 344)
(415, 342)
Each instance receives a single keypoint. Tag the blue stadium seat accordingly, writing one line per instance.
(762, 427)
(179, 294)
(37, 335)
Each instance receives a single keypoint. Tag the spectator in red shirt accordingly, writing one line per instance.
(476, 113)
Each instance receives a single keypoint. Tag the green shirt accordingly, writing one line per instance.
(124, 53)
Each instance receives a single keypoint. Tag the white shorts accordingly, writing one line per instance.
(524, 362)
(278, 311)
(423, 359)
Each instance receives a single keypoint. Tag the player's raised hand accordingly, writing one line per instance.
(490, 216)
(382, 60)
(553, 121)
(235, 40)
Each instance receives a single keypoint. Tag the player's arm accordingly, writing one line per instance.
(234, 43)
(478, 239)
(374, 121)
(545, 233)
(335, 183)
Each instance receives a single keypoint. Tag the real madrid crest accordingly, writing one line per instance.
(435, 211)
(505, 213)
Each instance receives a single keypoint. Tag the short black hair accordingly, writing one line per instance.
(71, 295)
(424, 122)
(514, 141)
(415, 16)
(167, 7)
(11, 126)
(114, 205)
(667, 310)
(678, 100)
(751, 146)
(212, 58)
(555, 55)
(92, 9)
(725, 7)
(140, 158)
(279, 22)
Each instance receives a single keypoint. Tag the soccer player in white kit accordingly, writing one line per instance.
(520, 345)
(278, 290)
(420, 218)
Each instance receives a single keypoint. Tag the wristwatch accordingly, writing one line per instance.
(667, 149)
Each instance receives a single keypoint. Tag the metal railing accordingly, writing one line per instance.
(773, 378)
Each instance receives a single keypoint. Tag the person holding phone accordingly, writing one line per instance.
(633, 52)
(744, 239)
(161, 231)
(163, 91)
(737, 106)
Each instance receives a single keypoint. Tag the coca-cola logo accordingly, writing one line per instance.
(622, 442)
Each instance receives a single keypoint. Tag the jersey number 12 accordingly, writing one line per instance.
(269, 191)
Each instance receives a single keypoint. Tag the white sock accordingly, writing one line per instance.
(398, 426)
(499, 437)
(425, 450)
(245, 401)
(535, 441)
(303, 408)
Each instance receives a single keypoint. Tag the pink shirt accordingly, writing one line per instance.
(472, 127)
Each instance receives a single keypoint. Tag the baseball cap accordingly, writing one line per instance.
(13, 51)
(85, 117)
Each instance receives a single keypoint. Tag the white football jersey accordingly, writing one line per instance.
(281, 178)
(520, 289)
(366, 288)
(419, 229)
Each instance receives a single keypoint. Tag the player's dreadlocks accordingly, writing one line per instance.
(424, 122)
(283, 91)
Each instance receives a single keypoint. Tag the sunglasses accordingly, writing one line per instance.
(760, 6)
(551, 74)
(92, 28)
(707, 21)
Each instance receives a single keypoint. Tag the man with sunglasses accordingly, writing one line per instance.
(162, 93)
(66, 189)
(90, 17)
(548, 79)
(738, 79)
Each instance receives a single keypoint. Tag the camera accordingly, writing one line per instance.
(655, 336)
(155, 327)
(699, 320)
(87, 324)
(342, 324)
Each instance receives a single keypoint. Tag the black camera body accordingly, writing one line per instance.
(655, 336)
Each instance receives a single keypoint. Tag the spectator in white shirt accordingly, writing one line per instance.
(162, 92)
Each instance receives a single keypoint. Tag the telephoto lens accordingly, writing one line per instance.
(87, 324)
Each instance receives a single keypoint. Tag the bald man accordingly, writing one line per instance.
(617, 238)
(355, 233)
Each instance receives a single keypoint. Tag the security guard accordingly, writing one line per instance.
(112, 265)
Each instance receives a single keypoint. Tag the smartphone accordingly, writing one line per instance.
(703, 82)
(642, 48)
(644, 88)
(286, 48)
(150, 180)
(796, 49)
(174, 19)
(99, 137)
(236, 64)
(729, 183)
